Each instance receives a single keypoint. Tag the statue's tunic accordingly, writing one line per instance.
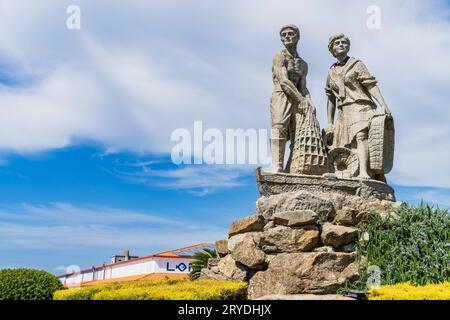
(349, 85)
(281, 106)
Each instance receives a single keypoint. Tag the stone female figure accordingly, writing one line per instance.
(290, 98)
(351, 88)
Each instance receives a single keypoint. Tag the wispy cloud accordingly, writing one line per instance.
(198, 180)
(63, 226)
(57, 213)
(128, 82)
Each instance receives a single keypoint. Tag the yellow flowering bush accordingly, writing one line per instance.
(158, 290)
(407, 291)
(76, 294)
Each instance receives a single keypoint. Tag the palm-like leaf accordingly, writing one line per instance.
(200, 261)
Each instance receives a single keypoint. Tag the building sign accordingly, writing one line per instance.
(182, 267)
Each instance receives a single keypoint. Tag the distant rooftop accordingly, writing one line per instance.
(188, 251)
(185, 252)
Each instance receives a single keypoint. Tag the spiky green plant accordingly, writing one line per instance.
(200, 261)
(412, 245)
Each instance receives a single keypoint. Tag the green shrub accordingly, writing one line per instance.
(159, 290)
(27, 284)
(412, 245)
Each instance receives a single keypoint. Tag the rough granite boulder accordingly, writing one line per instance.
(298, 273)
(212, 262)
(337, 236)
(295, 218)
(231, 269)
(364, 205)
(222, 248)
(247, 253)
(284, 239)
(269, 225)
(212, 273)
(234, 240)
(248, 224)
(347, 217)
(337, 199)
(295, 201)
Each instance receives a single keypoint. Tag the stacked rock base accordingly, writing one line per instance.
(298, 242)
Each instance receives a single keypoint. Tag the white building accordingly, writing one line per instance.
(172, 264)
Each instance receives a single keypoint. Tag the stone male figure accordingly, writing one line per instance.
(290, 93)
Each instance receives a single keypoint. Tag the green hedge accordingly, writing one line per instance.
(27, 284)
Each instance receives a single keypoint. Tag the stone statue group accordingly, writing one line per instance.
(358, 143)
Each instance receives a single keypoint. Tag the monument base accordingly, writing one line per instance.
(275, 183)
(303, 237)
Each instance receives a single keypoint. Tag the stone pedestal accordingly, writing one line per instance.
(302, 237)
(275, 183)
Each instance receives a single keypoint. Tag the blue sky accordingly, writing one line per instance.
(77, 205)
(86, 115)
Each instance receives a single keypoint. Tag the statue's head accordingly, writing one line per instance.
(339, 45)
(290, 35)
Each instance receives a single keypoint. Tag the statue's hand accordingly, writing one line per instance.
(328, 135)
(301, 107)
(330, 128)
(307, 106)
(311, 106)
(388, 114)
(386, 111)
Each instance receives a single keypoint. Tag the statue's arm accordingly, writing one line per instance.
(280, 72)
(370, 83)
(331, 110)
(376, 93)
(303, 88)
(331, 106)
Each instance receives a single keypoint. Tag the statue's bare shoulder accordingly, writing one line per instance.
(278, 59)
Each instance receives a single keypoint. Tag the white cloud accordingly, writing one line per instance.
(198, 180)
(63, 226)
(134, 73)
